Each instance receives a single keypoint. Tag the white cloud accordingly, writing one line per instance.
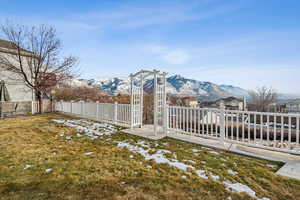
(171, 56)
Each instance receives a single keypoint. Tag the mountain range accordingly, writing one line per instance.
(176, 85)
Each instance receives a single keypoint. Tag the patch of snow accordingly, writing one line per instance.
(232, 172)
(158, 157)
(90, 129)
(201, 173)
(68, 138)
(272, 166)
(47, 171)
(239, 187)
(184, 177)
(194, 150)
(143, 143)
(27, 167)
(88, 153)
(214, 152)
(190, 161)
(215, 177)
(149, 166)
(131, 156)
(61, 134)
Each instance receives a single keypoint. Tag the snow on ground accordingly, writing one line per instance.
(232, 172)
(271, 166)
(158, 157)
(201, 173)
(87, 128)
(27, 167)
(239, 187)
(47, 171)
(214, 152)
(94, 130)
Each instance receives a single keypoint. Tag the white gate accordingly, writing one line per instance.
(159, 93)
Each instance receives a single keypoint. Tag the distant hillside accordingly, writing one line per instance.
(177, 85)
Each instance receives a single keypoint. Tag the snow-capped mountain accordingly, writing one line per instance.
(177, 85)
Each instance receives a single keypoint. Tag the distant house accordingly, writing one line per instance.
(190, 102)
(231, 103)
(16, 87)
(293, 106)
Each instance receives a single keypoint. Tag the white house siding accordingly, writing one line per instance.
(17, 89)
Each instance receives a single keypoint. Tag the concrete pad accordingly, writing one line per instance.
(147, 131)
(290, 169)
(236, 148)
(269, 155)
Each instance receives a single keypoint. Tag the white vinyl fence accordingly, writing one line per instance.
(274, 131)
(118, 114)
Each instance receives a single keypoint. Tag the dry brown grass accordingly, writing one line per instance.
(109, 173)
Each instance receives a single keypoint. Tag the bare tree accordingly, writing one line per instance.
(261, 98)
(34, 57)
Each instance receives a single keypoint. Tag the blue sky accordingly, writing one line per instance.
(247, 43)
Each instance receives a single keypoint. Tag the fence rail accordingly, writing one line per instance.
(112, 113)
(274, 131)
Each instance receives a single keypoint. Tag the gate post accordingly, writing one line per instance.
(222, 122)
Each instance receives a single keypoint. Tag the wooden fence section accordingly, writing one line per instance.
(10, 108)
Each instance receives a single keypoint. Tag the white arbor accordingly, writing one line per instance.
(159, 94)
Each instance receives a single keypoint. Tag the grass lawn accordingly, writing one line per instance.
(42, 159)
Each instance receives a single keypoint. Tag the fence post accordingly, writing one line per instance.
(131, 102)
(222, 122)
(97, 110)
(53, 106)
(1, 110)
(115, 112)
(62, 106)
(32, 107)
(71, 106)
(82, 108)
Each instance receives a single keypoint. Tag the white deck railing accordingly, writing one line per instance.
(118, 114)
(274, 131)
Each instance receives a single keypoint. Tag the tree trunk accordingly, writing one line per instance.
(39, 100)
